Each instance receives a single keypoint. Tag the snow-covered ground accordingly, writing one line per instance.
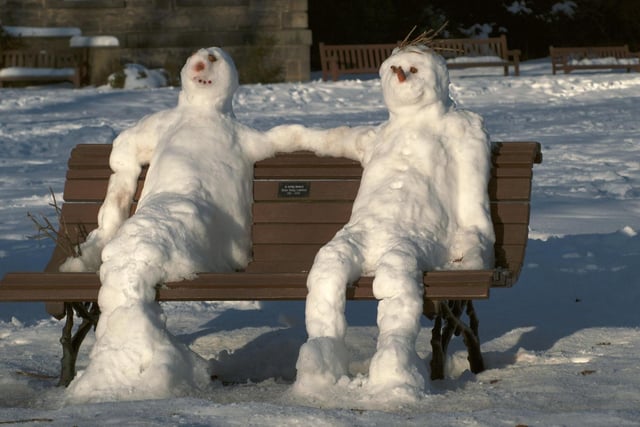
(562, 347)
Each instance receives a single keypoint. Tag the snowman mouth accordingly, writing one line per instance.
(201, 81)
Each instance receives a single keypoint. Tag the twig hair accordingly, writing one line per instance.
(425, 38)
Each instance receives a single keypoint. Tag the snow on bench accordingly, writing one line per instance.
(573, 58)
(300, 202)
(480, 52)
(41, 66)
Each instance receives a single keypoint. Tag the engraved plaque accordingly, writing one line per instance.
(293, 189)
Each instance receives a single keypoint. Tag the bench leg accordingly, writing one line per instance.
(89, 312)
(472, 340)
(437, 354)
(448, 323)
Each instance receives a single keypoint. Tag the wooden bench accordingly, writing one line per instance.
(337, 60)
(485, 52)
(42, 66)
(300, 202)
(568, 59)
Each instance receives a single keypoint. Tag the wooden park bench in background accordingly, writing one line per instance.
(42, 66)
(337, 60)
(300, 202)
(352, 59)
(484, 52)
(568, 59)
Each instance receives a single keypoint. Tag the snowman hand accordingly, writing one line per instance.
(286, 138)
(335, 142)
(471, 251)
(89, 258)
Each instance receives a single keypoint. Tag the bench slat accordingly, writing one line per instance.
(274, 252)
(299, 257)
(322, 190)
(340, 211)
(79, 287)
(276, 221)
(503, 189)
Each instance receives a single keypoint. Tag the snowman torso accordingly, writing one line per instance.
(201, 158)
(399, 182)
(197, 193)
(411, 189)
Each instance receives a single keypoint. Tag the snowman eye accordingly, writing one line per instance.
(212, 58)
(413, 70)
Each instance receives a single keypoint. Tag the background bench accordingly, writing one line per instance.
(485, 52)
(337, 60)
(300, 202)
(568, 59)
(42, 66)
(352, 59)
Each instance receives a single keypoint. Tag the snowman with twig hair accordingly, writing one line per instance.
(422, 205)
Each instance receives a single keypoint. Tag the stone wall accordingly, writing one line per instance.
(261, 35)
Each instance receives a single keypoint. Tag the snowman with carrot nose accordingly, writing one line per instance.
(422, 205)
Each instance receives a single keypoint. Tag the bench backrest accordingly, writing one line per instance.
(564, 54)
(453, 48)
(40, 58)
(341, 59)
(301, 201)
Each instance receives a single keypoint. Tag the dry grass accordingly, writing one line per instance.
(62, 237)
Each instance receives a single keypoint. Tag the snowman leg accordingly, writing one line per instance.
(134, 354)
(323, 359)
(398, 286)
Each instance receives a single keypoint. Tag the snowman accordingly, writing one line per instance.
(194, 214)
(422, 205)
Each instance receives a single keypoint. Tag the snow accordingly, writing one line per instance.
(94, 41)
(519, 7)
(562, 347)
(42, 31)
(478, 31)
(137, 76)
(567, 8)
(467, 59)
(604, 61)
(36, 72)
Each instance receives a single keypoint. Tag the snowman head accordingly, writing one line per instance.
(209, 79)
(414, 77)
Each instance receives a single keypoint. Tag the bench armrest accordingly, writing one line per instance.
(515, 53)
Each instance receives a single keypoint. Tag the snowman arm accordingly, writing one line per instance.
(341, 141)
(473, 243)
(131, 150)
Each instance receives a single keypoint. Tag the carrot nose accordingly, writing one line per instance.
(400, 73)
(199, 66)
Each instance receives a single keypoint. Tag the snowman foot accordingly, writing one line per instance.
(321, 363)
(396, 368)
